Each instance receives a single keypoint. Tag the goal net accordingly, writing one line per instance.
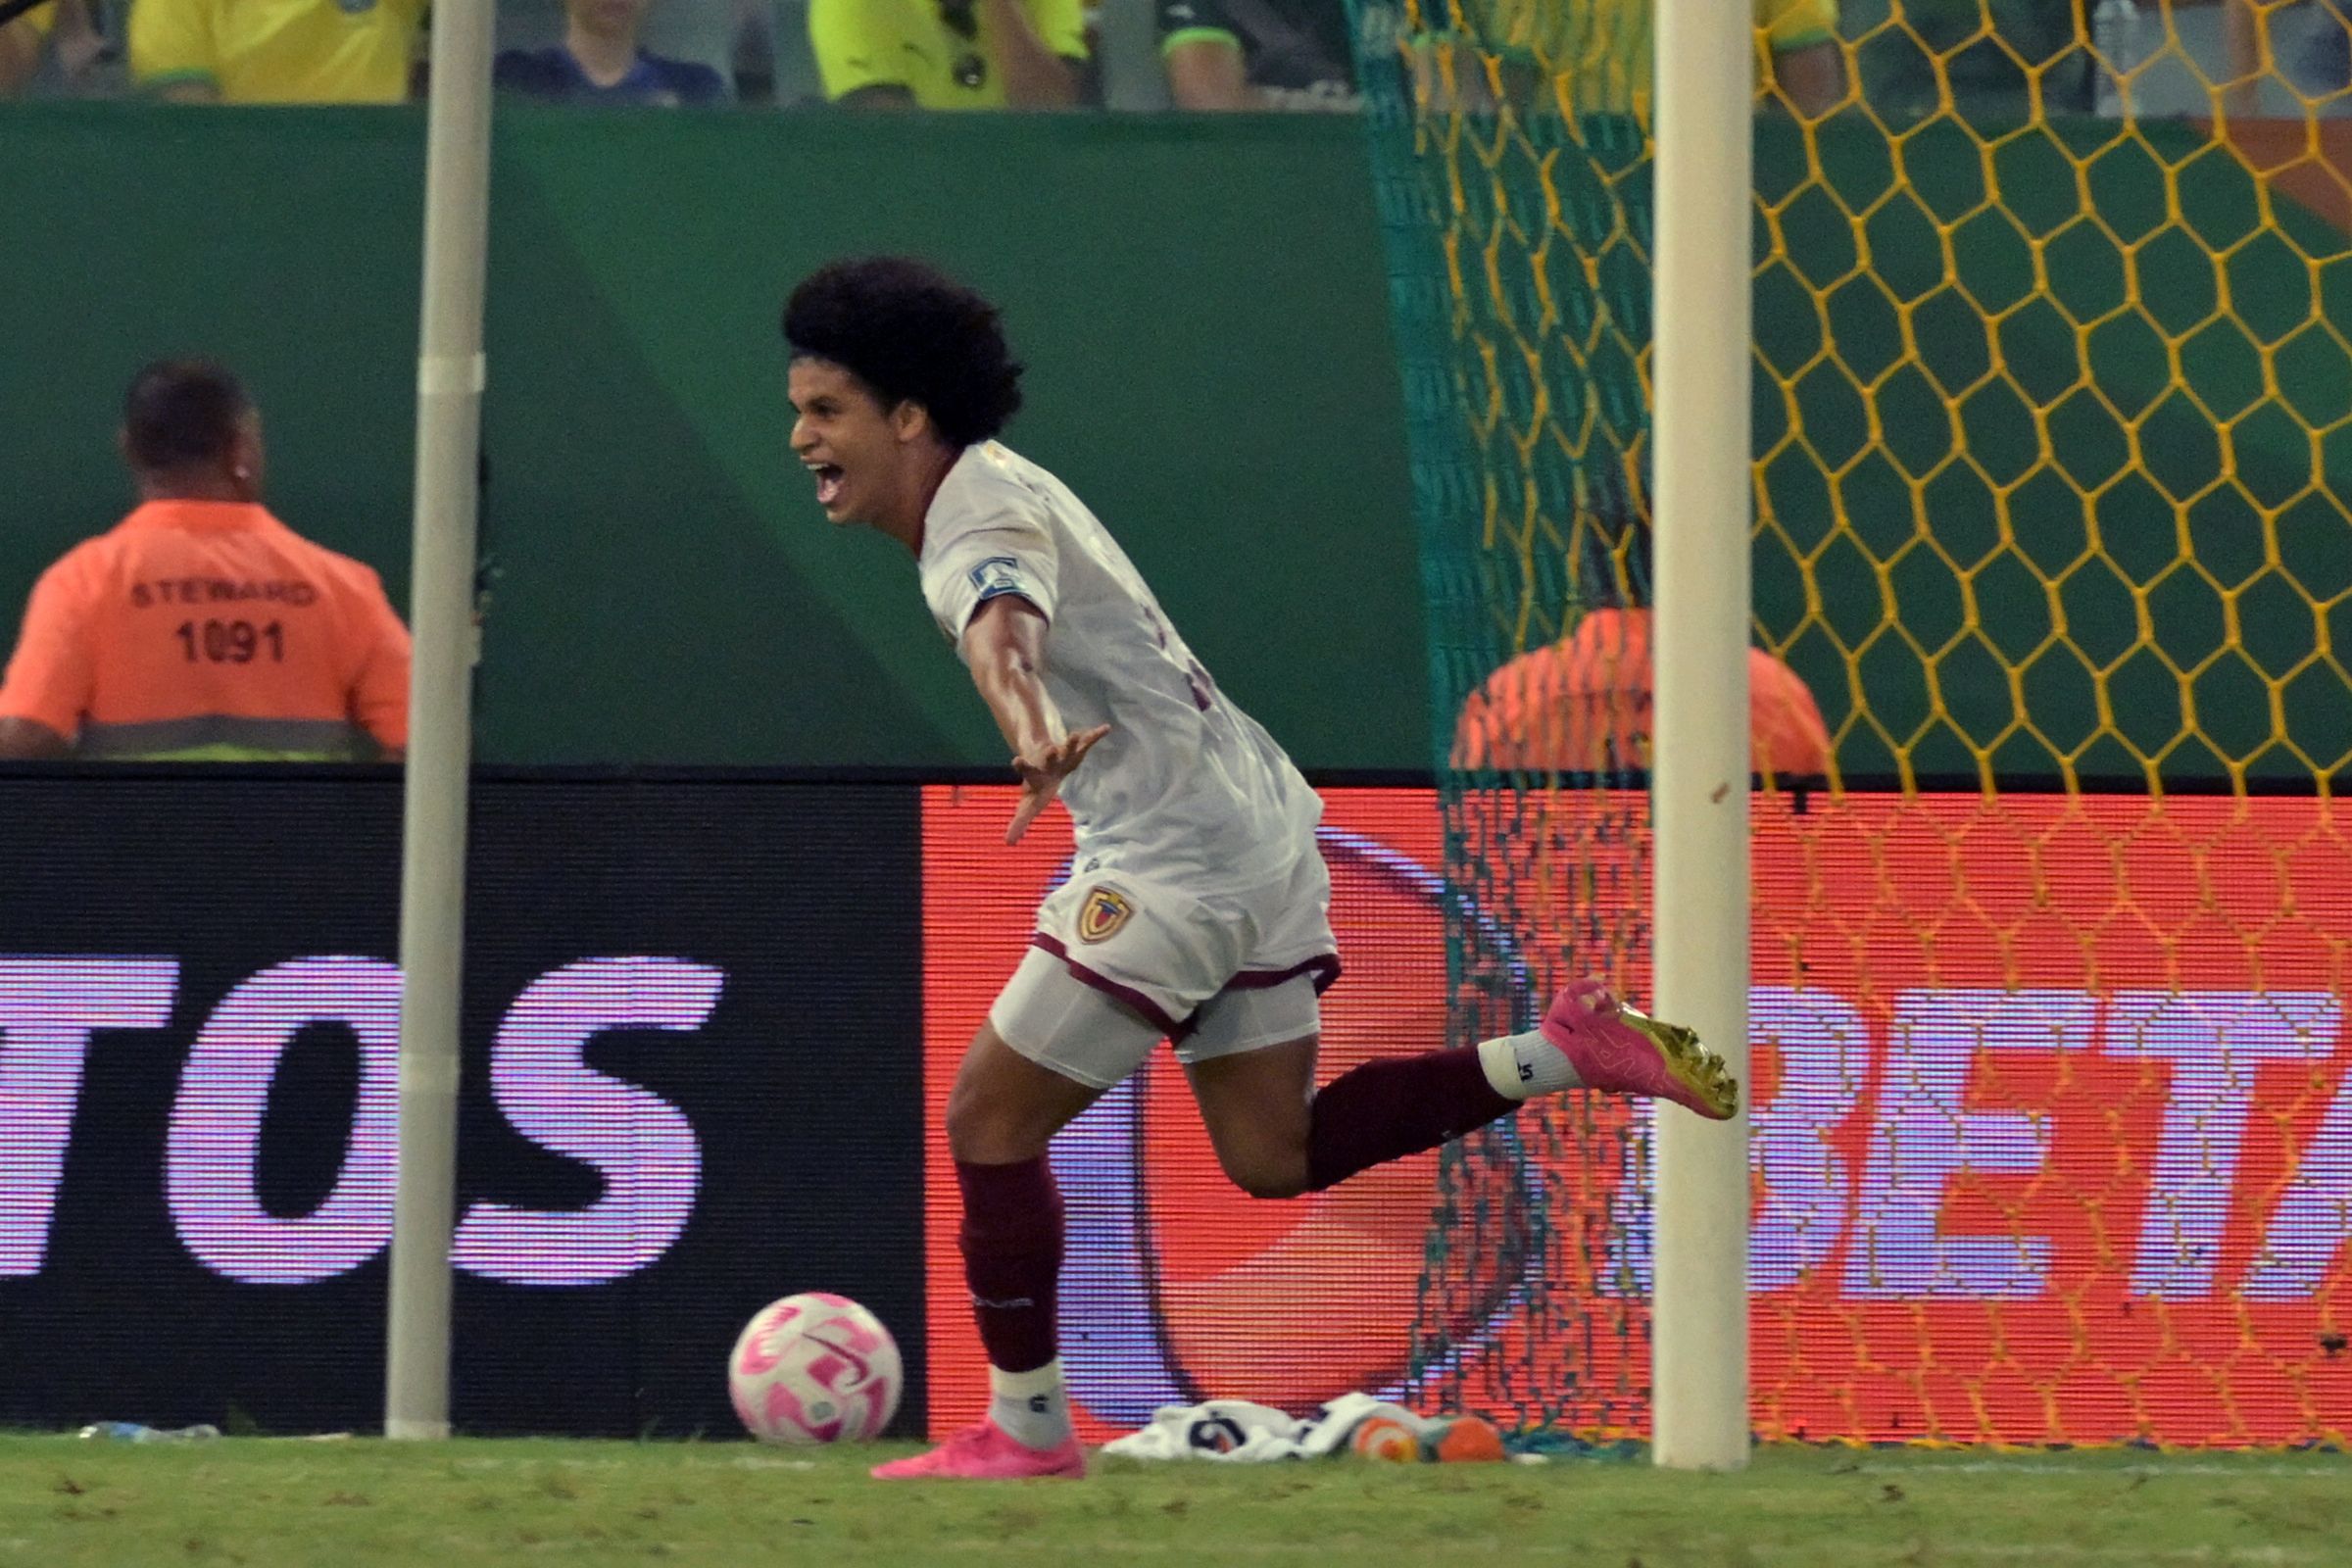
(2052, 383)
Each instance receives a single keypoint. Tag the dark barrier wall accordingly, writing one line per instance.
(1202, 306)
(2024, 1171)
(692, 1085)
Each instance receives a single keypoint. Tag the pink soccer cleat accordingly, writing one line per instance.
(1620, 1051)
(984, 1452)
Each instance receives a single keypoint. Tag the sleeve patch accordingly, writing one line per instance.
(998, 574)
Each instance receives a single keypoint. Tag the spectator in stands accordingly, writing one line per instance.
(710, 34)
(1583, 705)
(951, 54)
(1988, 55)
(276, 51)
(1805, 63)
(2281, 61)
(201, 627)
(1596, 55)
(1257, 54)
(600, 61)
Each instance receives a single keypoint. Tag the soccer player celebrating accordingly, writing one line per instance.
(1198, 907)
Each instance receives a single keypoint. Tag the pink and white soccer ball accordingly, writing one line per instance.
(814, 1368)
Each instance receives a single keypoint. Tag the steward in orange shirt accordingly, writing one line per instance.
(1583, 705)
(201, 627)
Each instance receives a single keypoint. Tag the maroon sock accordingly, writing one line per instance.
(1012, 1240)
(1394, 1107)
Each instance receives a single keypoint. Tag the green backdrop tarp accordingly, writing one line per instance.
(1201, 303)
(1203, 307)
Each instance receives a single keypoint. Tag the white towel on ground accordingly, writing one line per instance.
(1237, 1431)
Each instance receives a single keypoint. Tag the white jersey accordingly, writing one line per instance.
(1186, 786)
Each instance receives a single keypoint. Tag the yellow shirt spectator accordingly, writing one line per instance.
(947, 54)
(276, 51)
(1604, 48)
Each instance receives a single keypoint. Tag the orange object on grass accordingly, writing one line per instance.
(1467, 1440)
(1385, 1439)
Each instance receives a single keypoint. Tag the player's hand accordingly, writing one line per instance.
(1042, 771)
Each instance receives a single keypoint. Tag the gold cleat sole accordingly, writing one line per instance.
(1692, 1065)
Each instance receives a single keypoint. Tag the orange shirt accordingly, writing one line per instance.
(211, 629)
(1581, 705)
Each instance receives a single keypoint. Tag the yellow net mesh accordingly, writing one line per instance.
(2053, 563)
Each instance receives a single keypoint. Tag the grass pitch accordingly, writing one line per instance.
(292, 1503)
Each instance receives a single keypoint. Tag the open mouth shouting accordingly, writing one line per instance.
(829, 478)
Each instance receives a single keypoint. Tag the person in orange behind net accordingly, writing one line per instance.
(1583, 705)
(201, 628)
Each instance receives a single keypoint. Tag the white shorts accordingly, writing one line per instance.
(1119, 962)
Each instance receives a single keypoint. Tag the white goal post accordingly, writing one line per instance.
(1699, 754)
(432, 884)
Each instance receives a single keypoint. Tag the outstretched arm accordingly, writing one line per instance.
(1206, 70)
(1035, 76)
(20, 54)
(1005, 645)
